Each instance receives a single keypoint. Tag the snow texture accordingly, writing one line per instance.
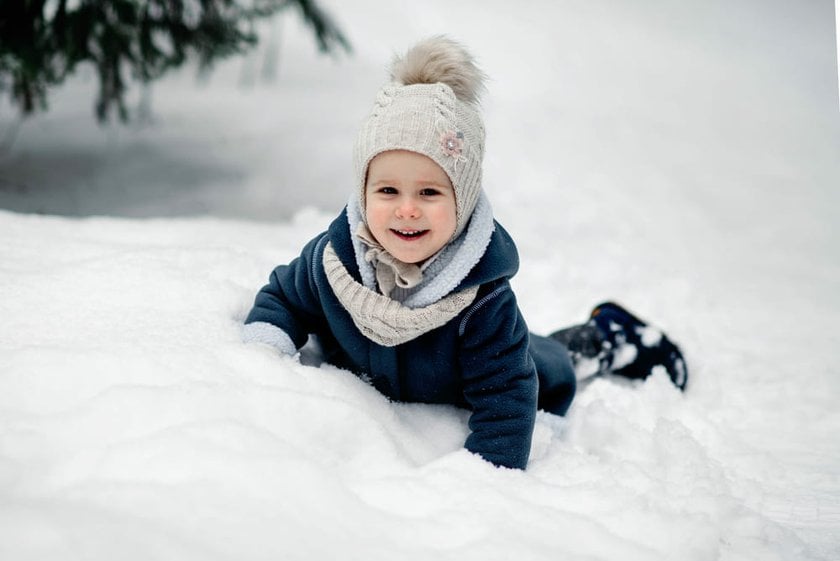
(650, 335)
(680, 159)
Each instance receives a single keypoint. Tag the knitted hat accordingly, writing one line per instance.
(430, 107)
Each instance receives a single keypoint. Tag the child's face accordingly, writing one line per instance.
(410, 205)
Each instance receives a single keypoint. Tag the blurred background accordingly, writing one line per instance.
(734, 102)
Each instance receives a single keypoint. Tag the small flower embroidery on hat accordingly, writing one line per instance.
(452, 144)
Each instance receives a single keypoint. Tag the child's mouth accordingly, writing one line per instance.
(409, 234)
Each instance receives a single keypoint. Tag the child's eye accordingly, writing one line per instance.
(429, 192)
(387, 190)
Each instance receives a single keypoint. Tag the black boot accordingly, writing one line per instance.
(587, 348)
(634, 347)
(584, 340)
(617, 342)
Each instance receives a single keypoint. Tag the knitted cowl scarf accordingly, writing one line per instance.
(409, 311)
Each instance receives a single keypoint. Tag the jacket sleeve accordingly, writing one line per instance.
(500, 379)
(288, 308)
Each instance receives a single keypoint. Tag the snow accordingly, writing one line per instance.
(650, 335)
(680, 159)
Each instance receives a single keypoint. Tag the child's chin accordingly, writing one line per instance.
(415, 257)
(412, 259)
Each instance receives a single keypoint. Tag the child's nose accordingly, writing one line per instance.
(408, 208)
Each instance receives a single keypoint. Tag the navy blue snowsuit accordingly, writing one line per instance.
(484, 359)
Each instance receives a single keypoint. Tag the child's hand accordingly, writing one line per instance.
(271, 351)
(261, 333)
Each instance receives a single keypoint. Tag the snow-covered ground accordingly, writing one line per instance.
(681, 159)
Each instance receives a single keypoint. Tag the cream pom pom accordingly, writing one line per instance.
(440, 59)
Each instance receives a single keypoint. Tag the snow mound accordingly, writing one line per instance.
(136, 425)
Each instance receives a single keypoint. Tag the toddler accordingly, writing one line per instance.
(409, 286)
